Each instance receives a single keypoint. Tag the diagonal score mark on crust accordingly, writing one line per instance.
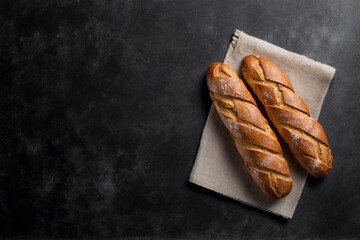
(292, 108)
(221, 97)
(250, 145)
(239, 121)
(256, 148)
(226, 106)
(232, 114)
(276, 88)
(301, 132)
(266, 80)
(224, 72)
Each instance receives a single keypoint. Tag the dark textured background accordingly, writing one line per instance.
(103, 104)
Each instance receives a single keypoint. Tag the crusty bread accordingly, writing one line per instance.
(254, 139)
(290, 114)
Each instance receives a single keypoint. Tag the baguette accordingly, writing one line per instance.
(254, 139)
(290, 114)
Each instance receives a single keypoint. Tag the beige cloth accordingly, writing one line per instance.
(219, 167)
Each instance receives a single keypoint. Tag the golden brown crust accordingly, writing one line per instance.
(290, 114)
(254, 139)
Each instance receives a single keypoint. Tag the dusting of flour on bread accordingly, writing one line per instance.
(223, 86)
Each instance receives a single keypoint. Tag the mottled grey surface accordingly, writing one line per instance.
(103, 104)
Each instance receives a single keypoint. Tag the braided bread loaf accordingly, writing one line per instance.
(290, 114)
(254, 139)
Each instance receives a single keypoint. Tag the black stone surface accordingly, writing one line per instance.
(103, 104)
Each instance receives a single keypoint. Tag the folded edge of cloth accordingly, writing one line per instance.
(219, 167)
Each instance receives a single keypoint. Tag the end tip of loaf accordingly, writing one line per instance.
(320, 171)
(273, 185)
(219, 69)
(279, 187)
